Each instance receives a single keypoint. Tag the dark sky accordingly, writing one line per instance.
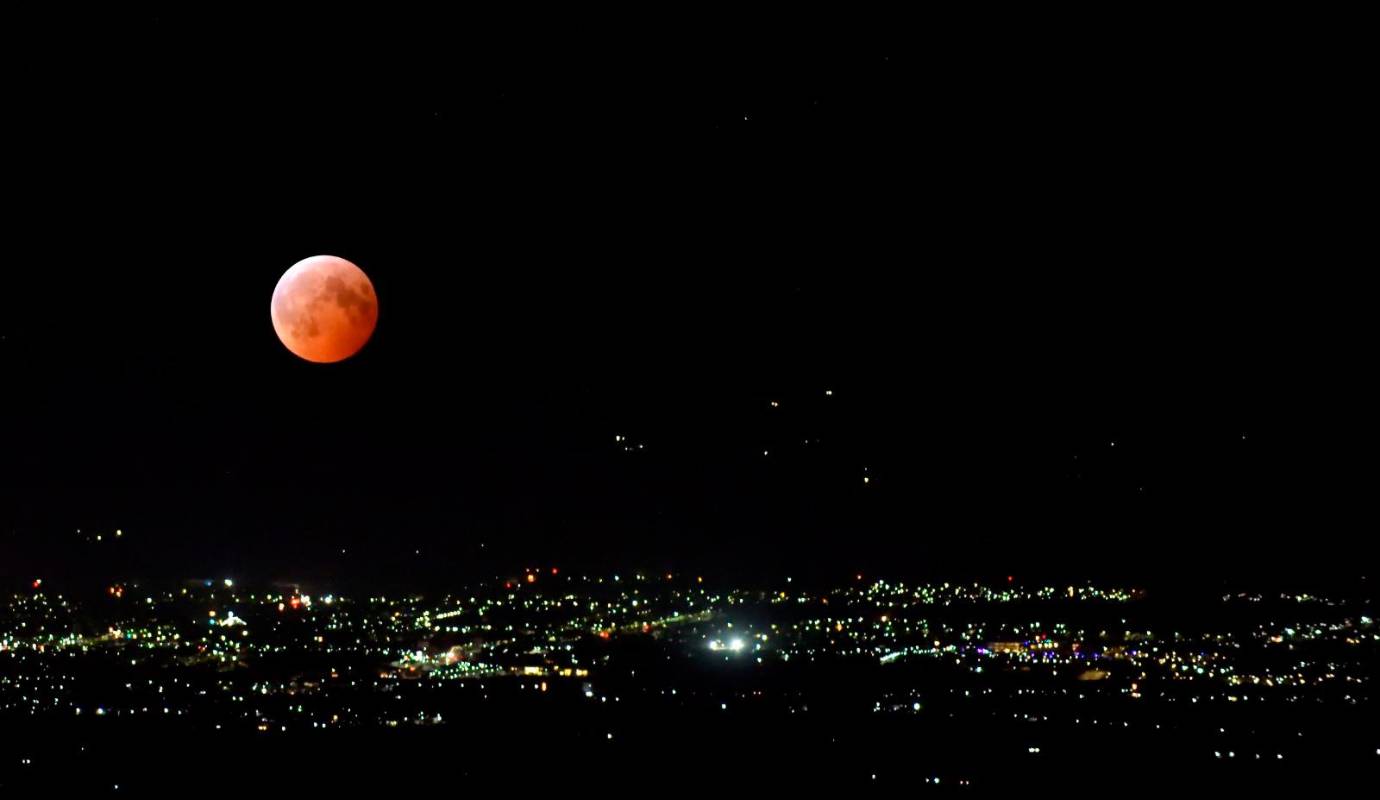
(1003, 246)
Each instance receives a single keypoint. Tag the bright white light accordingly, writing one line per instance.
(735, 645)
(229, 583)
(715, 645)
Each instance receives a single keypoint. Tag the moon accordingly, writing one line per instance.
(324, 309)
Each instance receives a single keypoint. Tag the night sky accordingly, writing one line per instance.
(989, 300)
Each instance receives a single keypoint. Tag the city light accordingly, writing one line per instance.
(476, 638)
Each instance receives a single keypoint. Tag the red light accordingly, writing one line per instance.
(554, 571)
(1010, 578)
(38, 582)
(295, 602)
(507, 584)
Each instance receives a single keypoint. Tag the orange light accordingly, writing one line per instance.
(603, 634)
(531, 578)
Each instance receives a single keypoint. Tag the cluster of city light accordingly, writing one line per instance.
(542, 629)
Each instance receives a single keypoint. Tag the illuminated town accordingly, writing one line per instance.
(1042, 670)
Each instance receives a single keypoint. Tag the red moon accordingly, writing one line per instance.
(324, 309)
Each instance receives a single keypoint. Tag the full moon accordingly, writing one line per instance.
(324, 309)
